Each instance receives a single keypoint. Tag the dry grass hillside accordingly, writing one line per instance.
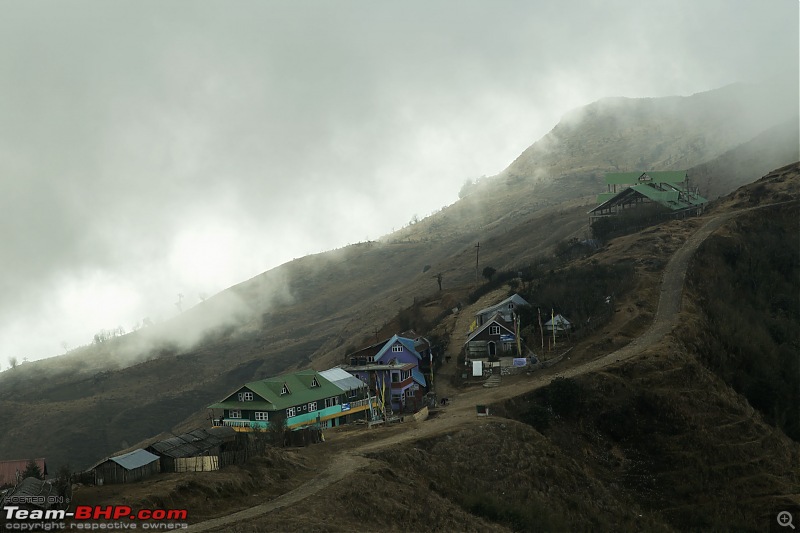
(614, 438)
(103, 398)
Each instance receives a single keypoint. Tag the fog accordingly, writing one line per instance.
(150, 150)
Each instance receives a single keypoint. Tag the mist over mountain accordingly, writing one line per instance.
(101, 398)
(628, 134)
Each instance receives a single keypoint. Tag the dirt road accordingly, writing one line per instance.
(461, 410)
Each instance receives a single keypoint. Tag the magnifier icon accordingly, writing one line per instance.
(785, 519)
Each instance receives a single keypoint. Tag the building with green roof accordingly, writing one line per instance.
(301, 398)
(667, 189)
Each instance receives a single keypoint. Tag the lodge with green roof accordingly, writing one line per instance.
(301, 398)
(667, 189)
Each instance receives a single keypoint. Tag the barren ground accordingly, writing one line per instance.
(346, 457)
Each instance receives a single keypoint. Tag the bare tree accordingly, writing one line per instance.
(13, 362)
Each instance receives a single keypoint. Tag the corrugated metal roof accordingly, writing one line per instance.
(343, 379)
(225, 433)
(175, 447)
(191, 444)
(32, 487)
(515, 298)
(559, 321)
(407, 343)
(299, 385)
(669, 195)
(134, 459)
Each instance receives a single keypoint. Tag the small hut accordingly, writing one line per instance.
(125, 468)
(559, 324)
(201, 450)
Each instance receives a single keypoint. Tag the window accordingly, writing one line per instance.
(494, 330)
(409, 393)
(285, 390)
(262, 415)
(397, 347)
(395, 377)
(330, 402)
(314, 383)
(245, 396)
(511, 306)
(234, 413)
(371, 359)
(352, 393)
(290, 412)
(312, 406)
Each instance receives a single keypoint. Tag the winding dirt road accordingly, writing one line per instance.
(461, 410)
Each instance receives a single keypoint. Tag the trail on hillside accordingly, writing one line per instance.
(461, 410)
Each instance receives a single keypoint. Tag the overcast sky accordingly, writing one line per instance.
(155, 148)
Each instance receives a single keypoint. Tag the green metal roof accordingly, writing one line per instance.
(671, 196)
(662, 197)
(659, 176)
(268, 392)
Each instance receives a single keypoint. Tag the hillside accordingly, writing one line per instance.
(645, 437)
(94, 401)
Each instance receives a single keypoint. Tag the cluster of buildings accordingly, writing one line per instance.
(495, 331)
(388, 377)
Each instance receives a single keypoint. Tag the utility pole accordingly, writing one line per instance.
(477, 255)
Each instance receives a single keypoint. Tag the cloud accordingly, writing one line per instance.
(150, 149)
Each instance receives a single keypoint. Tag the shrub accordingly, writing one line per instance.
(539, 417)
(564, 396)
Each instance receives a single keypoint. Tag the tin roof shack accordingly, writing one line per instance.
(125, 468)
(201, 450)
(11, 471)
(37, 497)
(559, 325)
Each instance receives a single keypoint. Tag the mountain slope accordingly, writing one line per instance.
(100, 399)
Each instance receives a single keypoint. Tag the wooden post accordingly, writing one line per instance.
(477, 255)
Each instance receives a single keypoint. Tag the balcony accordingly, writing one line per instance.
(243, 425)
